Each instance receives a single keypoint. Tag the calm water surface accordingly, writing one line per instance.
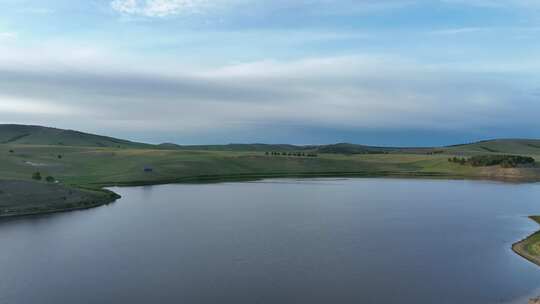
(279, 241)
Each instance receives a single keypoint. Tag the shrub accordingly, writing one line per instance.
(505, 161)
(36, 176)
(50, 179)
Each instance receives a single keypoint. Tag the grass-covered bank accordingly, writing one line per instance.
(18, 198)
(529, 248)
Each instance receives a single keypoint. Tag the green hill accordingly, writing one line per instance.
(500, 146)
(256, 147)
(38, 135)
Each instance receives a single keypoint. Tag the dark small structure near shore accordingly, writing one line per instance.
(148, 169)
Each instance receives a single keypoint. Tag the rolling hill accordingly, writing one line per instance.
(38, 135)
(501, 146)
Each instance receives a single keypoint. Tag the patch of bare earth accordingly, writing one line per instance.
(522, 173)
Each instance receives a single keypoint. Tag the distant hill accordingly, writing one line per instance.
(341, 148)
(346, 148)
(502, 146)
(240, 147)
(37, 135)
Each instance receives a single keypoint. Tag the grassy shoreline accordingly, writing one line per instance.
(24, 198)
(58, 210)
(111, 197)
(529, 248)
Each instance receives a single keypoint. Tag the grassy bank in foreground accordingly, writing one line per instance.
(529, 248)
(26, 198)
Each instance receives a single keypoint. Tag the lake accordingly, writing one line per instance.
(280, 241)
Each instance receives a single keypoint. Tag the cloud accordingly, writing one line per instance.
(165, 8)
(13, 105)
(161, 8)
(7, 35)
(37, 10)
(496, 3)
(342, 92)
(462, 30)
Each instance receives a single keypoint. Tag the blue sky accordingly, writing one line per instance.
(386, 72)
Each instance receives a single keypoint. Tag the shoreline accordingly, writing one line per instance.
(210, 179)
(521, 247)
(107, 198)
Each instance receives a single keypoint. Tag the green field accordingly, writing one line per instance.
(92, 161)
(111, 166)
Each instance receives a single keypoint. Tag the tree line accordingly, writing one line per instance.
(297, 154)
(505, 161)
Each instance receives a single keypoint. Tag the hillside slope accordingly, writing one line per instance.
(501, 146)
(38, 135)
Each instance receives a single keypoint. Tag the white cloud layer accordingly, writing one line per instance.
(164, 8)
(343, 92)
(160, 8)
(7, 35)
(14, 105)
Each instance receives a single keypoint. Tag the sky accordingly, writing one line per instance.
(378, 72)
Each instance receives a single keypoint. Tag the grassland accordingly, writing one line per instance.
(529, 248)
(83, 167)
(97, 167)
(27, 198)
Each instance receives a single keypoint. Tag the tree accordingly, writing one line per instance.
(50, 179)
(36, 176)
(59, 156)
(11, 151)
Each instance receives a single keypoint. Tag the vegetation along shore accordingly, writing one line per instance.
(529, 248)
